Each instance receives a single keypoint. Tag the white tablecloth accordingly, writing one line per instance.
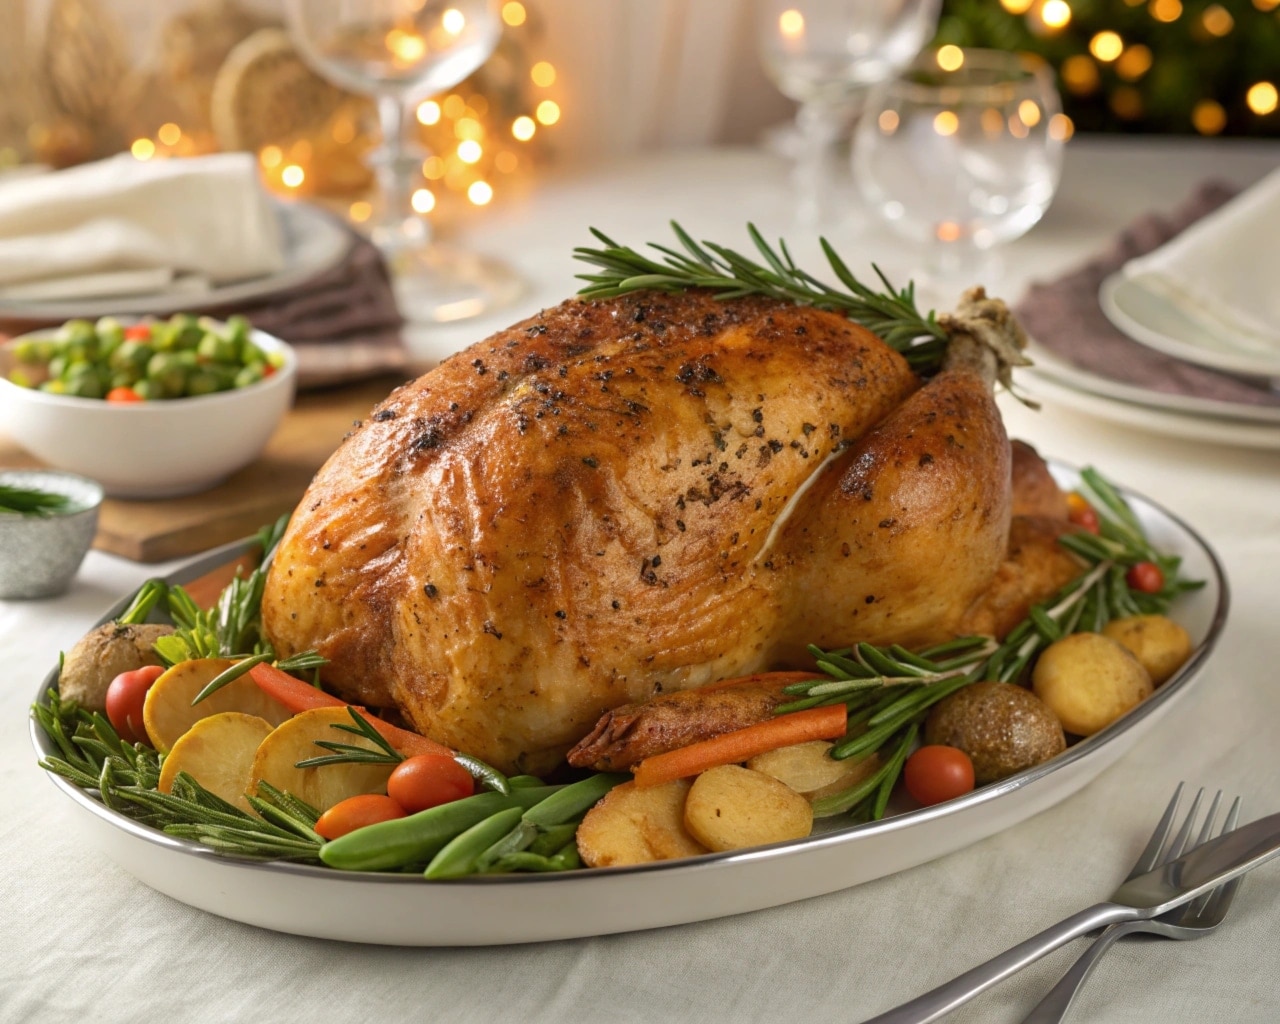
(81, 939)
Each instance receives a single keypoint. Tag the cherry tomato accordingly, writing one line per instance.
(1086, 518)
(138, 332)
(937, 773)
(125, 697)
(1146, 577)
(428, 780)
(123, 395)
(356, 812)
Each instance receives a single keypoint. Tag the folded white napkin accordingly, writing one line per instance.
(122, 226)
(1221, 271)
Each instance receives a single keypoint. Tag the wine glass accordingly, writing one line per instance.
(400, 51)
(826, 55)
(961, 154)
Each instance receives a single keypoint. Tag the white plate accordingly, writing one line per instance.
(1151, 321)
(314, 241)
(1047, 364)
(406, 910)
(1207, 429)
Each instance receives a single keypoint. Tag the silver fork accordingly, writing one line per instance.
(1193, 921)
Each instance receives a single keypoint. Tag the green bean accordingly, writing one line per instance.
(487, 775)
(515, 840)
(419, 837)
(460, 855)
(573, 800)
(553, 838)
(524, 781)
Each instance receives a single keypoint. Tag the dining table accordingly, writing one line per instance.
(84, 939)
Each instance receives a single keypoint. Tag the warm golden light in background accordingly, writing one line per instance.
(1217, 20)
(1080, 74)
(1061, 127)
(1017, 6)
(360, 211)
(888, 121)
(143, 149)
(468, 128)
(293, 176)
(791, 24)
(1029, 112)
(423, 200)
(169, 134)
(1106, 46)
(948, 231)
(1165, 10)
(1134, 63)
(1017, 127)
(454, 21)
(428, 112)
(543, 74)
(454, 106)
(1126, 103)
(1057, 13)
(270, 157)
(480, 192)
(992, 122)
(433, 168)
(950, 58)
(506, 162)
(1266, 5)
(945, 122)
(470, 151)
(405, 47)
(1208, 117)
(548, 112)
(523, 128)
(1262, 98)
(514, 14)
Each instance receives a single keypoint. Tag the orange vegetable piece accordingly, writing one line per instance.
(356, 812)
(735, 747)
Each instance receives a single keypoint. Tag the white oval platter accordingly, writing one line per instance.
(406, 910)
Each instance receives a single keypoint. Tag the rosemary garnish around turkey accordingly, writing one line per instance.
(889, 690)
(890, 314)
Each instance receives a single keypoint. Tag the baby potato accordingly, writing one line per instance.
(637, 826)
(731, 807)
(1003, 727)
(1159, 643)
(1089, 680)
(807, 769)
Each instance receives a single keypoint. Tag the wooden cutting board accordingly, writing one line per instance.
(156, 531)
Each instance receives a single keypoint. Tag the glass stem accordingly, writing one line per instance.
(820, 125)
(395, 165)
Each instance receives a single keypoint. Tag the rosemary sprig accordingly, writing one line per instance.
(31, 501)
(889, 690)
(351, 753)
(891, 314)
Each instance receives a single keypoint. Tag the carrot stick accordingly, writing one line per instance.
(778, 679)
(734, 747)
(205, 590)
(297, 696)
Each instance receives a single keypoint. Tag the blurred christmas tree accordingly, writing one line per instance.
(1173, 66)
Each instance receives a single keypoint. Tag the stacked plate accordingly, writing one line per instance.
(1161, 325)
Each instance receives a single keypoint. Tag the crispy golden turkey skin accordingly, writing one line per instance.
(616, 498)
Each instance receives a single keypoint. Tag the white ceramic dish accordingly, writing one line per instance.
(313, 241)
(405, 910)
(1151, 321)
(1059, 371)
(1205, 429)
(150, 449)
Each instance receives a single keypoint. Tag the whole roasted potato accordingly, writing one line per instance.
(101, 655)
(1002, 727)
(1159, 643)
(1089, 680)
(731, 807)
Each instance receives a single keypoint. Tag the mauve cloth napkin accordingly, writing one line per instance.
(1064, 316)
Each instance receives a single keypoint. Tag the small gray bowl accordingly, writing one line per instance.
(39, 554)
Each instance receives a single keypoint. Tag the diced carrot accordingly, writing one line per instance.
(205, 590)
(825, 723)
(298, 696)
(778, 679)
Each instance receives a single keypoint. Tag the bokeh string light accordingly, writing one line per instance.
(1208, 66)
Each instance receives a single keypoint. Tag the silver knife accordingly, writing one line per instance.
(1146, 896)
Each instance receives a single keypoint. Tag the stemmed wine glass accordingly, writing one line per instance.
(961, 154)
(826, 55)
(400, 51)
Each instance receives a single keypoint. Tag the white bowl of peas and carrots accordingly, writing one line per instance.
(151, 409)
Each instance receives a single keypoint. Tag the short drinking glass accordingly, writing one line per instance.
(962, 153)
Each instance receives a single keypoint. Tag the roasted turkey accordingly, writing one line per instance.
(621, 497)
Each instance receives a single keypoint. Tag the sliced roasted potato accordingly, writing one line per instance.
(218, 753)
(730, 807)
(1160, 644)
(168, 711)
(323, 786)
(807, 769)
(637, 826)
(1089, 680)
